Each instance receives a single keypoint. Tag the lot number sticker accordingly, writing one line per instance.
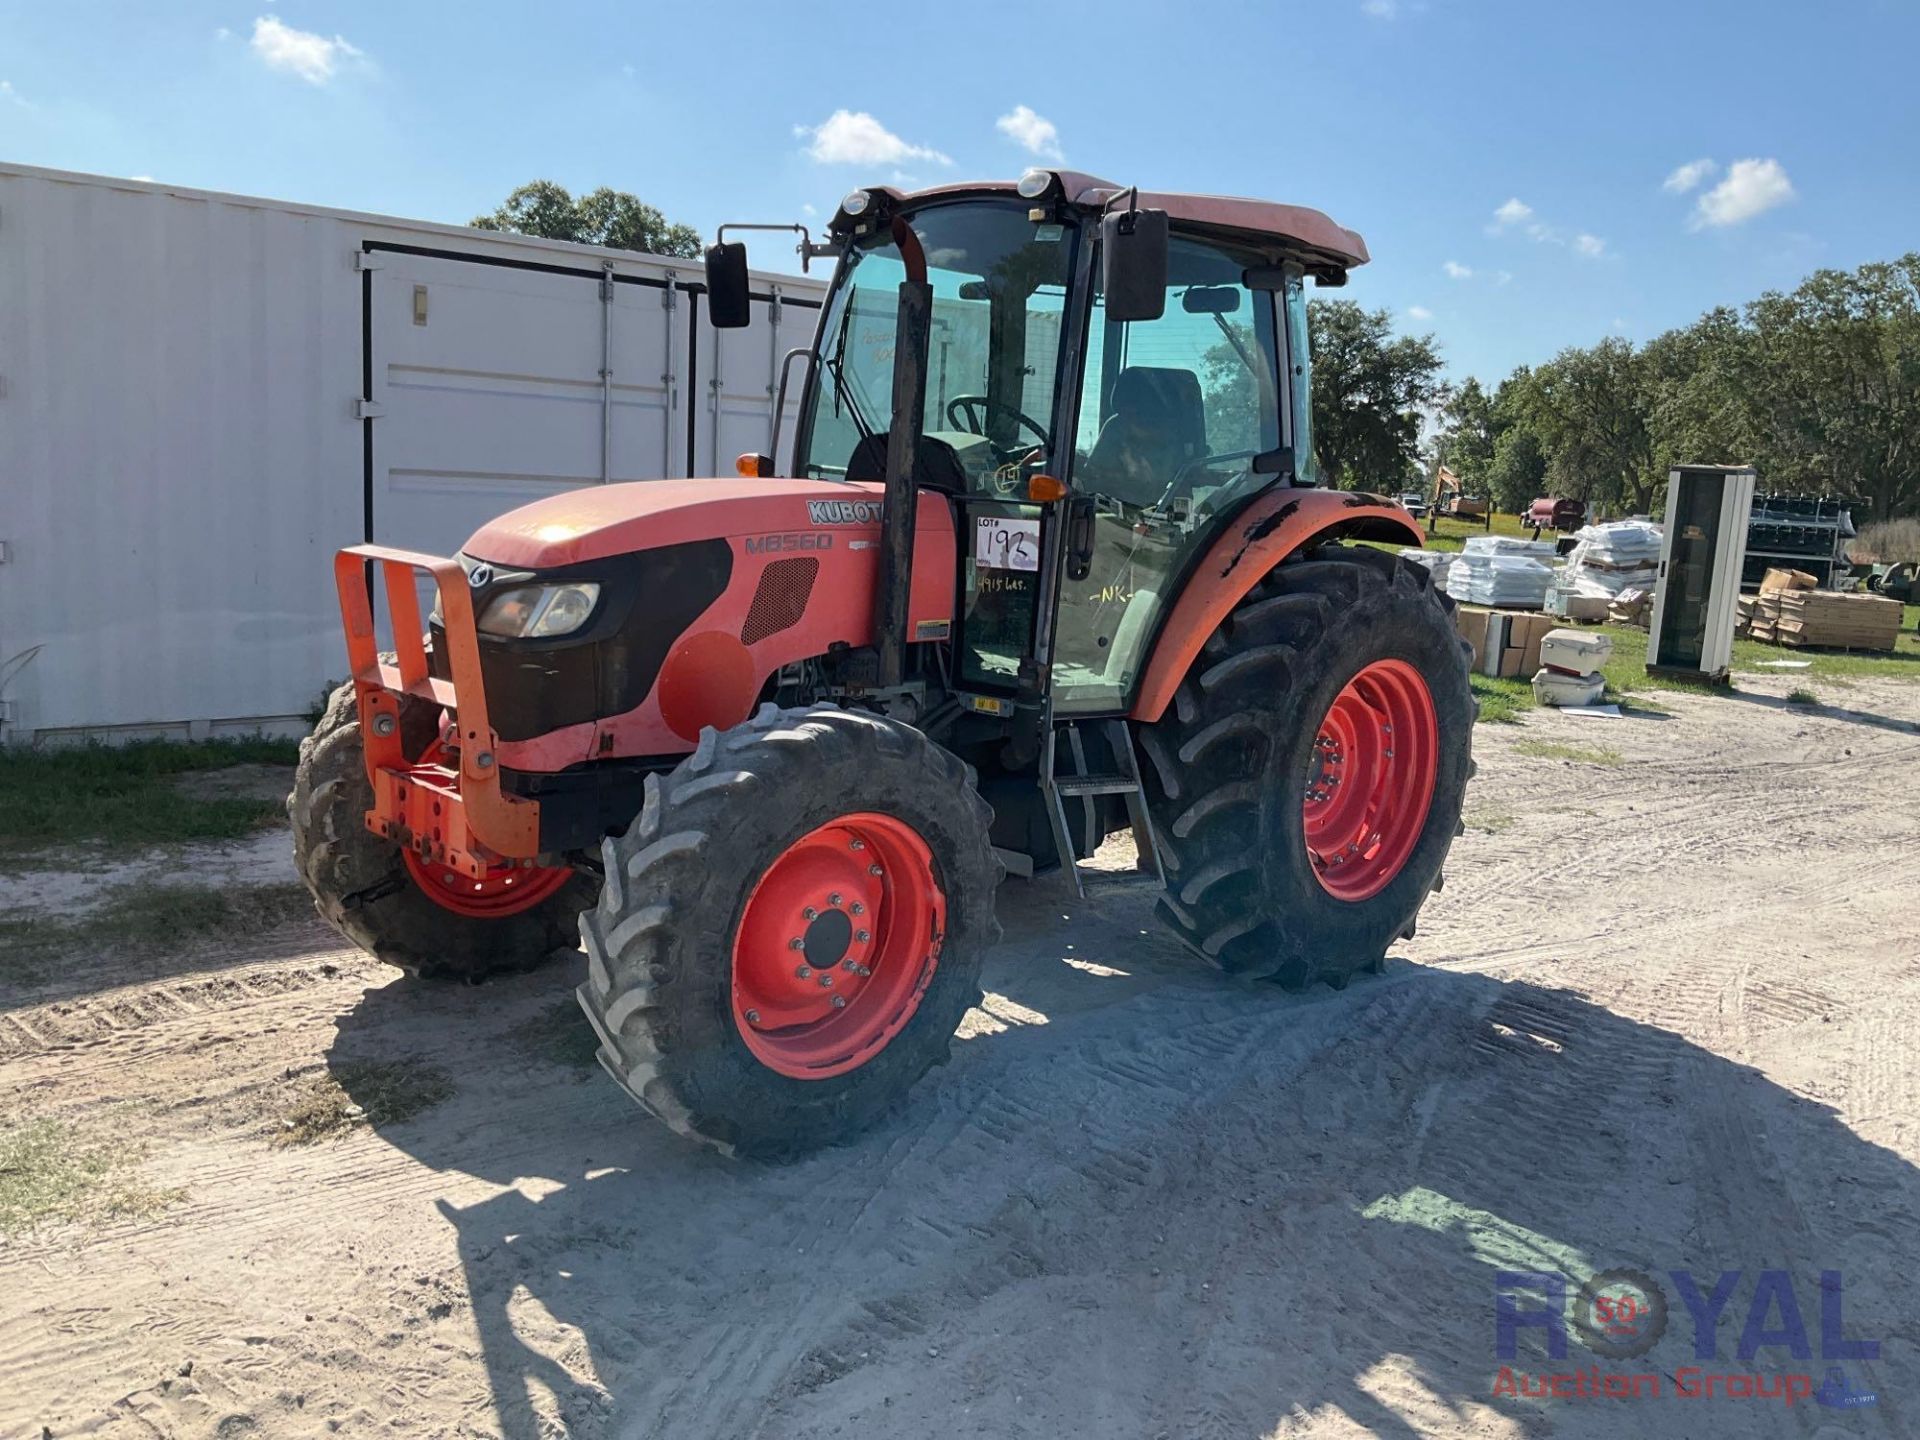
(1003, 544)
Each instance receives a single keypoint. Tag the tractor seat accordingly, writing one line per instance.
(1157, 424)
(935, 466)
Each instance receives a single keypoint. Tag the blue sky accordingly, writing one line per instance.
(1412, 121)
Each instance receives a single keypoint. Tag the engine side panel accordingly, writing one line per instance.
(804, 564)
(1272, 528)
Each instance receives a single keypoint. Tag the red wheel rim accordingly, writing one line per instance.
(836, 945)
(1370, 781)
(504, 890)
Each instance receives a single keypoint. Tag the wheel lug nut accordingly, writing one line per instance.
(850, 966)
(873, 869)
(805, 972)
(809, 913)
(753, 1017)
(858, 908)
(839, 1002)
(856, 844)
(834, 898)
(826, 982)
(796, 943)
(862, 936)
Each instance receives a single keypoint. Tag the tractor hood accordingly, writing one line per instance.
(604, 520)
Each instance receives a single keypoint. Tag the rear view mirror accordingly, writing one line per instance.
(1211, 299)
(1133, 264)
(727, 302)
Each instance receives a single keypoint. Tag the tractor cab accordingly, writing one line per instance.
(1097, 380)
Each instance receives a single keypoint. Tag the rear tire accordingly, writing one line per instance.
(363, 886)
(1229, 766)
(667, 969)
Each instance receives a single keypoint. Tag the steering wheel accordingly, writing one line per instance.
(971, 412)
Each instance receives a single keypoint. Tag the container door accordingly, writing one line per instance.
(489, 392)
(736, 376)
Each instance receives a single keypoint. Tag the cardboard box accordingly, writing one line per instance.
(1513, 662)
(1524, 633)
(1472, 625)
(1788, 580)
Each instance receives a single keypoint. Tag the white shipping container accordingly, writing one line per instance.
(203, 396)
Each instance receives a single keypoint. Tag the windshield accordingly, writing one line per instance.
(999, 300)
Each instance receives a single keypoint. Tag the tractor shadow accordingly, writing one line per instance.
(1145, 1200)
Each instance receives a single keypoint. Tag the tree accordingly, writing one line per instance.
(1369, 389)
(1589, 409)
(612, 218)
(1835, 370)
(1468, 435)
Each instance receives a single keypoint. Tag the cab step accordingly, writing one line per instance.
(1082, 785)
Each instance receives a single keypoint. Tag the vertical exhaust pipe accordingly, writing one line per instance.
(912, 331)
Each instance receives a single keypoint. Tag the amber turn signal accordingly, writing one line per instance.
(754, 467)
(1042, 488)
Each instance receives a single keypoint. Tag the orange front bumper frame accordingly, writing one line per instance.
(451, 814)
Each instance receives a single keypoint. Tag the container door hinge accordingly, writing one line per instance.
(368, 260)
(368, 409)
(6, 552)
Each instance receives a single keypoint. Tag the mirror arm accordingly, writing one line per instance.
(807, 250)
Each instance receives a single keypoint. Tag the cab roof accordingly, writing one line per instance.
(1294, 227)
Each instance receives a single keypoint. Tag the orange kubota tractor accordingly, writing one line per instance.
(1051, 562)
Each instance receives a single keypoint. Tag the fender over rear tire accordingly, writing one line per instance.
(671, 953)
(1229, 767)
(362, 885)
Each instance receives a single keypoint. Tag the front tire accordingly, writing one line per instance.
(375, 894)
(792, 929)
(1343, 665)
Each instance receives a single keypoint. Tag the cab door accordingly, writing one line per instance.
(1173, 414)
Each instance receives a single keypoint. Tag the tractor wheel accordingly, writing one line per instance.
(1306, 782)
(390, 902)
(792, 929)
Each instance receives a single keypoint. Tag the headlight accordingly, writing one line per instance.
(856, 203)
(1034, 184)
(539, 612)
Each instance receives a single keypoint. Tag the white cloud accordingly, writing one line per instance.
(1501, 277)
(312, 57)
(1685, 177)
(7, 92)
(1380, 9)
(1591, 246)
(1033, 133)
(807, 209)
(1456, 271)
(853, 137)
(1751, 188)
(1511, 213)
(1419, 312)
(144, 179)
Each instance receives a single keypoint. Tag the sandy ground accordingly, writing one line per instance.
(1661, 1017)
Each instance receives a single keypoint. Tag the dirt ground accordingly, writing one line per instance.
(1661, 1017)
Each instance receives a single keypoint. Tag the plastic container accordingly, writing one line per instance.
(1551, 687)
(1575, 652)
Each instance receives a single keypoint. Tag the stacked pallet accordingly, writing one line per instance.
(1829, 620)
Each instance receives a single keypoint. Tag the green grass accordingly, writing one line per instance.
(1802, 697)
(1501, 701)
(130, 795)
(1489, 822)
(1563, 750)
(1449, 534)
(52, 1172)
(146, 919)
(360, 1093)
